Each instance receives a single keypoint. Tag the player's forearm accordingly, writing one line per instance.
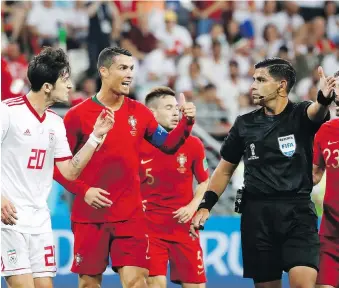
(71, 169)
(77, 187)
(177, 136)
(199, 193)
(317, 112)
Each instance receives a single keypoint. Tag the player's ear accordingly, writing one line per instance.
(47, 87)
(282, 85)
(103, 72)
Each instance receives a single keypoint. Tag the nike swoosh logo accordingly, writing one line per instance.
(330, 143)
(147, 257)
(145, 161)
(200, 272)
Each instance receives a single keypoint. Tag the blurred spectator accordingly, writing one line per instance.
(17, 65)
(6, 82)
(192, 84)
(233, 33)
(206, 13)
(331, 62)
(304, 85)
(103, 25)
(52, 17)
(332, 20)
(318, 36)
(288, 21)
(195, 52)
(176, 38)
(140, 40)
(245, 103)
(213, 66)
(216, 34)
(271, 42)
(212, 114)
(88, 88)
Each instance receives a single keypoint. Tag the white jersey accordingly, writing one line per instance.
(29, 146)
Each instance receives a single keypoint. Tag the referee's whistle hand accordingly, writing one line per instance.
(198, 222)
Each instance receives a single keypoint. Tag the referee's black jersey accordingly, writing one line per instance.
(277, 151)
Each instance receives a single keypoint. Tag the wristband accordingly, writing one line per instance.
(93, 140)
(321, 99)
(209, 200)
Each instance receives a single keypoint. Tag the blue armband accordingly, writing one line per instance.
(159, 136)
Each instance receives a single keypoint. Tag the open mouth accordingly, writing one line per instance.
(126, 84)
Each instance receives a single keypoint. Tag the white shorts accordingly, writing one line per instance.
(23, 253)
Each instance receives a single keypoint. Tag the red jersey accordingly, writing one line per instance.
(326, 152)
(167, 184)
(115, 166)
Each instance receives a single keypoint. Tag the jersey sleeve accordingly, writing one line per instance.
(160, 138)
(307, 123)
(232, 149)
(200, 165)
(5, 121)
(317, 153)
(62, 151)
(72, 128)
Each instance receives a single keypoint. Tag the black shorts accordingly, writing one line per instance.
(277, 236)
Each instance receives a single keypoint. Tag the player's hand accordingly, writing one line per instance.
(8, 212)
(95, 198)
(185, 213)
(187, 108)
(198, 222)
(144, 205)
(104, 122)
(326, 84)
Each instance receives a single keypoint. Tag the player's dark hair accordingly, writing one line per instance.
(336, 74)
(106, 56)
(47, 67)
(157, 93)
(279, 69)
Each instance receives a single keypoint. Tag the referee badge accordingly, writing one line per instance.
(287, 145)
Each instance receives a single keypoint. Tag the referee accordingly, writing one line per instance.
(279, 222)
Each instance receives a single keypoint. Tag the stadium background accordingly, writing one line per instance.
(205, 49)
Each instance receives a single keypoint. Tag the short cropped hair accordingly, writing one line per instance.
(106, 56)
(47, 67)
(279, 69)
(157, 93)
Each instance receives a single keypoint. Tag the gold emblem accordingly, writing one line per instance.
(133, 123)
(182, 159)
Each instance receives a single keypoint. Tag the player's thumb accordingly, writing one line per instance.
(182, 99)
(321, 72)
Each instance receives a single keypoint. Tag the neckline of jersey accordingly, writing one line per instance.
(96, 100)
(286, 109)
(30, 107)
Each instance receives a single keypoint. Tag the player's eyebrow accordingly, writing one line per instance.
(126, 66)
(259, 78)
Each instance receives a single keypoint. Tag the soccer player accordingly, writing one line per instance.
(279, 221)
(168, 196)
(326, 157)
(117, 225)
(33, 138)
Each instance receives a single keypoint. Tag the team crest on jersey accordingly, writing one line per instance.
(133, 123)
(51, 137)
(78, 259)
(12, 257)
(182, 159)
(287, 145)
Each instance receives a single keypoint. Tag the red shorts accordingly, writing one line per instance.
(329, 261)
(185, 258)
(125, 241)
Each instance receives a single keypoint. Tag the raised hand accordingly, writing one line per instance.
(104, 123)
(326, 84)
(187, 108)
(198, 222)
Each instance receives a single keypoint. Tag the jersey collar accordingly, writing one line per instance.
(30, 107)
